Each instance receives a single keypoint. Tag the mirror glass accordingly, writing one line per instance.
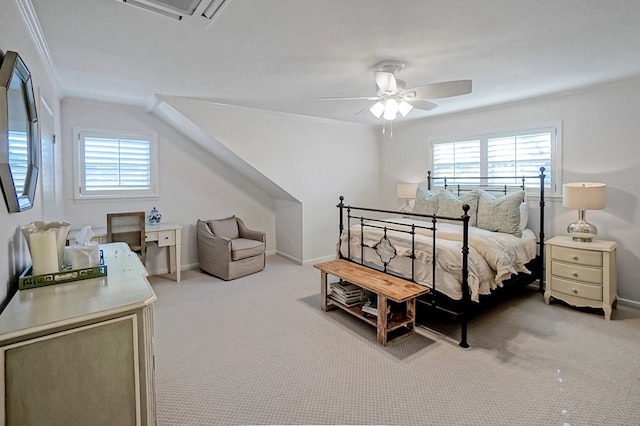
(19, 143)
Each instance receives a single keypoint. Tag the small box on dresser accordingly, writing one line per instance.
(582, 274)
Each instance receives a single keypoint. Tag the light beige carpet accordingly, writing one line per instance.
(258, 350)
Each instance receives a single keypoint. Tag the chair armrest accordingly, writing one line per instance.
(249, 233)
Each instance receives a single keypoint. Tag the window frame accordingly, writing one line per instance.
(554, 176)
(80, 193)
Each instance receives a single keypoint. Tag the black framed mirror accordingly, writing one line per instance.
(19, 138)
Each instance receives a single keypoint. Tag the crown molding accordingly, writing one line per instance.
(30, 18)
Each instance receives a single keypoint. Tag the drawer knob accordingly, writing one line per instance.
(574, 257)
(575, 290)
(574, 273)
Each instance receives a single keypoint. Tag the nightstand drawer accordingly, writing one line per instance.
(572, 255)
(572, 288)
(575, 272)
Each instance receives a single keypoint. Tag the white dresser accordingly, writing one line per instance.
(582, 273)
(81, 353)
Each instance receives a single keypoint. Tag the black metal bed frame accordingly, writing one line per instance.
(461, 309)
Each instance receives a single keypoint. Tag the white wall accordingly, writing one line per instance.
(600, 143)
(14, 255)
(194, 184)
(312, 159)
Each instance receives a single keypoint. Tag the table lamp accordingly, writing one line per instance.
(408, 192)
(583, 196)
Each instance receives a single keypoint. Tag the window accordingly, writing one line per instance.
(114, 164)
(509, 153)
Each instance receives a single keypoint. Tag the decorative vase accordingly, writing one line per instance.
(154, 217)
(59, 229)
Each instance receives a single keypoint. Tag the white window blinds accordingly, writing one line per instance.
(112, 165)
(514, 153)
(518, 155)
(457, 159)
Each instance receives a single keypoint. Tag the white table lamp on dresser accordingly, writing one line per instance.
(583, 196)
(581, 270)
(406, 191)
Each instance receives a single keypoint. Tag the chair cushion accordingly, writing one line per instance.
(242, 248)
(225, 228)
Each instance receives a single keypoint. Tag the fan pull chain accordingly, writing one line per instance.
(384, 123)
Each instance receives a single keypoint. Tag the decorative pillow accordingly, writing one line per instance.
(426, 201)
(450, 205)
(501, 214)
(225, 228)
(524, 215)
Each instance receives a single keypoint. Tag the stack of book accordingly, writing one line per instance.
(346, 293)
(370, 308)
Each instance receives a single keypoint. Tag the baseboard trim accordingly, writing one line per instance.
(291, 258)
(319, 259)
(628, 302)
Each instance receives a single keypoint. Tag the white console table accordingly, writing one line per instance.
(81, 352)
(164, 234)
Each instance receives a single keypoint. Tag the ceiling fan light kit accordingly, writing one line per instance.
(392, 97)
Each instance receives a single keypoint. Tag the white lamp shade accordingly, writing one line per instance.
(390, 109)
(404, 108)
(377, 109)
(407, 190)
(584, 195)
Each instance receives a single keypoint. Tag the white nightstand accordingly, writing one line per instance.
(582, 273)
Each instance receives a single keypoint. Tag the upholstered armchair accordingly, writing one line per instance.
(228, 249)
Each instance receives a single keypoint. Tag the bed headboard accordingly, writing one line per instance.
(502, 185)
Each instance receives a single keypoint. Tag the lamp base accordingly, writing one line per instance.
(406, 209)
(582, 231)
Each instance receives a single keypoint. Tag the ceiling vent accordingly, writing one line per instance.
(199, 11)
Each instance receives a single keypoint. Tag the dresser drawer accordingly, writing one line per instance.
(576, 272)
(573, 255)
(166, 238)
(572, 288)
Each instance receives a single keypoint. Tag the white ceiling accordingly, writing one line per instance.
(282, 55)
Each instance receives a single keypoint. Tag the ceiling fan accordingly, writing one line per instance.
(392, 96)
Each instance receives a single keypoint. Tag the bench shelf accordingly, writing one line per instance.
(387, 288)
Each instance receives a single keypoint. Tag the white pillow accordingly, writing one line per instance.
(426, 202)
(500, 214)
(450, 205)
(524, 215)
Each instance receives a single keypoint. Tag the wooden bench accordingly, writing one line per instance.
(390, 325)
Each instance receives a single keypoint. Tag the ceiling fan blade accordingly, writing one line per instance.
(386, 82)
(425, 105)
(445, 89)
(355, 98)
(363, 110)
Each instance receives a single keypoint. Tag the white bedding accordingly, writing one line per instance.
(493, 256)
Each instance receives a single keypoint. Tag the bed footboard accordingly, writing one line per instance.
(379, 252)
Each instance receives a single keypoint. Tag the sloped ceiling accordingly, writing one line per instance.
(282, 55)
